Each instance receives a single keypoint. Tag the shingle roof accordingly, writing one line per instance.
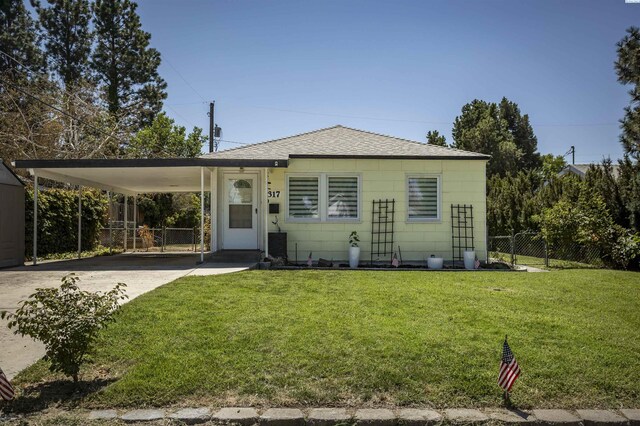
(340, 141)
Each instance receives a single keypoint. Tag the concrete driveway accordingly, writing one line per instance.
(141, 272)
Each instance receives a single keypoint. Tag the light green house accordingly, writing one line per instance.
(332, 178)
(401, 196)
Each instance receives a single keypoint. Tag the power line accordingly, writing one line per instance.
(185, 80)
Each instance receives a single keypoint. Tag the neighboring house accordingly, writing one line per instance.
(318, 187)
(580, 170)
(11, 218)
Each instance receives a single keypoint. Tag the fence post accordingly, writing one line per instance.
(546, 254)
(513, 248)
(162, 239)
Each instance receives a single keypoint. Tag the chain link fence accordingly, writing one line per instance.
(529, 248)
(152, 239)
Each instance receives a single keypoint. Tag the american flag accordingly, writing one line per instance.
(509, 369)
(394, 262)
(6, 391)
(309, 260)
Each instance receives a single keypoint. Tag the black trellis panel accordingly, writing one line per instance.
(461, 230)
(382, 221)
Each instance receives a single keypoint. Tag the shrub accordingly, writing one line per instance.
(58, 220)
(66, 320)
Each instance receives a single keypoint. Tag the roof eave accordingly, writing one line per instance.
(395, 157)
(149, 162)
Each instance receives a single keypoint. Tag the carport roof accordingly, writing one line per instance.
(136, 176)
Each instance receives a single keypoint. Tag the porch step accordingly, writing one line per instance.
(236, 256)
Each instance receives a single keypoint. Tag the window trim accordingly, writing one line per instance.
(323, 194)
(438, 178)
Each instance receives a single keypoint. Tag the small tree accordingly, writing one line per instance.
(66, 320)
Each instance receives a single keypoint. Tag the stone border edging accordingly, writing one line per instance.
(248, 416)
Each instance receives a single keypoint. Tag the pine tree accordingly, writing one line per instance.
(435, 138)
(67, 38)
(523, 135)
(628, 69)
(125, 65)
(18, 38)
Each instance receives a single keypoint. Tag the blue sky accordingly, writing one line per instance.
(277, 68)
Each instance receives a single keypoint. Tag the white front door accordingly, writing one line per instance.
(241, 212)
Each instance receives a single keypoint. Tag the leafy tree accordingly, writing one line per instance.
(552, 165)
(480, 128)
(435, 138)
(67, 320)
(163, 138)
(511, 203)
(629, 189)
(67, 37)
(602, 180)
(125, 65)
(18, 37)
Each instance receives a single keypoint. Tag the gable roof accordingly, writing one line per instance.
(344, 142)
(581, 169)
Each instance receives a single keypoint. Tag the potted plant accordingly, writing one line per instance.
(354, 250)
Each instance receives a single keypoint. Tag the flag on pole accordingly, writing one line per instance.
(509, 369)
(394, 262)
(6, 391)
(309, 260)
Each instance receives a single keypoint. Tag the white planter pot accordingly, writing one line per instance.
(435, 262)
(470, 260)
(354, 257)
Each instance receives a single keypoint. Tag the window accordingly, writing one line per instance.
(342, 202)
(323, 197)
(423, 193)
(303, 197)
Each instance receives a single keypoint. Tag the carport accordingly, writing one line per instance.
(131, 177)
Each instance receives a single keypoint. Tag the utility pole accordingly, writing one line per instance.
(211, 125)
(573, 154)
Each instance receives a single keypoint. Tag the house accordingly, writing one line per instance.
(11, 218)
(580, 170)
(316, 187)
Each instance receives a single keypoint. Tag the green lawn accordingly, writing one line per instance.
(303, 338)
(539, 262)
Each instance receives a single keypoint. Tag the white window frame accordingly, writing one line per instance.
(323, 195)
(438, 178)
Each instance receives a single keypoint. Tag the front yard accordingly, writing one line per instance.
(302, 338)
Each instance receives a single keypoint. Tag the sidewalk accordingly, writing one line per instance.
(247, 416)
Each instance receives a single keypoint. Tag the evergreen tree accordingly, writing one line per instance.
(628, 69)
(125, 65)
(18, 38)
(522, 133)
(480, 128)
(435, 138)
(67, 37)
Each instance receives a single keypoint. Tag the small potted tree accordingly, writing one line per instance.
(354, 250)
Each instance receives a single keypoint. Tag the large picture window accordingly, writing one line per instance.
(323, 197)
(423, 193)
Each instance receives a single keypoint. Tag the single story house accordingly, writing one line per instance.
(401, 196)
(580, 170)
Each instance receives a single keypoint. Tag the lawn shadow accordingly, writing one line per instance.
(57, 392)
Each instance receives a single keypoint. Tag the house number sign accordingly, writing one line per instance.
(274, 194)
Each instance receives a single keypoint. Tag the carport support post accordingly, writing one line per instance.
(126, 214)
(35, 217)
(110, 223)
(201, 214)
(135, 220)
(79, 221)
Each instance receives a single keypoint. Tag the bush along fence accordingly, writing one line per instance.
(58, 220)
